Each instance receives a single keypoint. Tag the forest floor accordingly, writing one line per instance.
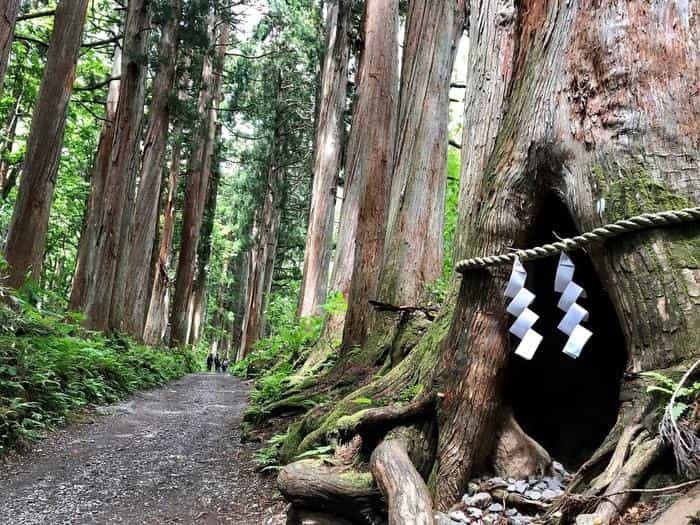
(170, 455)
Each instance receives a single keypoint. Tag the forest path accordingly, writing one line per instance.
(170, 455)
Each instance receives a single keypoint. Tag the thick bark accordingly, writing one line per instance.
(414, 241)
(8, 17)
(330, 128)
(204, 255)
(137, 294)
(157, 315)
(111, 213)
(26, 239)
(370, 159)
(199, 173)
(88, 236)
(549, 114)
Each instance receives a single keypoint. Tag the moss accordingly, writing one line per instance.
(358, 479)
(631, 189)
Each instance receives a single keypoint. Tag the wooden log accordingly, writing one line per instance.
(404, 490)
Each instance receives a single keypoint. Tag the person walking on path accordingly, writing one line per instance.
(217, 363)
(210, 361)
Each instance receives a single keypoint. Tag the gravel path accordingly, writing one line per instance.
(171, 455)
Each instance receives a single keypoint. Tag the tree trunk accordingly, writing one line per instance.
(263, 253)
(157, 316)
(204, 251)
(112, 217)
(26, 239)
(561, 103)
(8, 17)
(137, 294)
(414, 241)
(196, 191)
(88, 237)
(330, 129)
(370, 159)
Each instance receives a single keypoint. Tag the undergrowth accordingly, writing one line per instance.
(276, 357)
(50, 366)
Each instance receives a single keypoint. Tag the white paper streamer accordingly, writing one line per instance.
(517, 279)
(578, 339)
(575, 313)
(525, 318)
(523, 323)
(527, 347)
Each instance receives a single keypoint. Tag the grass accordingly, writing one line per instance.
(50, 366)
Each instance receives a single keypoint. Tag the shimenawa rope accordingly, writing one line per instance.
(636, 223)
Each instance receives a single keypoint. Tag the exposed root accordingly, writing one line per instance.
(339, 491)
(407, 496)
(517, 455)
(388, 416)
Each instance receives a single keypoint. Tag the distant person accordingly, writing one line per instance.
(217, 363)
(210, 361)
(224, 365)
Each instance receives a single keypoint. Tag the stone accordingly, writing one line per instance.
(541, 486)
(553, 483)
(548, 495)
(472, 488)
(496, 507)
(521, 486)
(497, 482)
(511, 512)
(459, 517)
(533, 494)
(443, 519)
(519, 520)
(589, 519)
(481, 500)
(475, 512)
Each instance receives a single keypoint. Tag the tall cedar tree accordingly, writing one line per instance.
(199, 174)
(26, 239)
(330, 130)
(370, 158)
(139, 285)
(8, 18)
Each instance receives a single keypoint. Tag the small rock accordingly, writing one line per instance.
(519, 520)
(497, 481)
(559, 469)
(549, 495)
(496, 507)
(472, 488)
(442, 519)
(459, 517)
(541, 486)
(589, 519)
(521, 486)
(511, 480)
(511, 487)
(511, 512)
(481, 500)
(533, 494)
(475, 513)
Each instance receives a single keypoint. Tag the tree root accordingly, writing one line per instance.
(407, 496)
(338, 491)
(517, 455)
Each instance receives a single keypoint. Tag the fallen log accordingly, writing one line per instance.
(406, 494)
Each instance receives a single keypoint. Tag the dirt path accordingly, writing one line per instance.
(171, 455)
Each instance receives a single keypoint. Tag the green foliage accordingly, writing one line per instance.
(665, 386)
(50, 366)
(267, 458)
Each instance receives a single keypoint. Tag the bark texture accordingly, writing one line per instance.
(414, 240)
(85, 259)
(157, 316)
(561, 102)
(111, 214)
(330, 130)
(26, 239)
(8, 18)
(370, 159)
(138, 288)
(199, 173)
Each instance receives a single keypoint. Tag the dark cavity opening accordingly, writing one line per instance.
(567, 405)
